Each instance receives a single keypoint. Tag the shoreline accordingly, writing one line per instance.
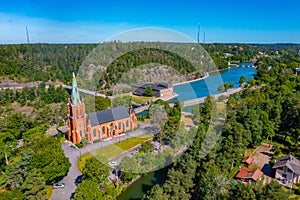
(202, 78)
(198, 79)
(207, 74)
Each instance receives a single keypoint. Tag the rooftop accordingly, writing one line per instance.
(290, 162)
(156, 87)
(249, 174)
(109, 115)
(248, 160)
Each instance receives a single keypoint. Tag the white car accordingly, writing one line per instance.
(112, 163)
(58, 185)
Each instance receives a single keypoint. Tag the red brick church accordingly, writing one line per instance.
(97, 125)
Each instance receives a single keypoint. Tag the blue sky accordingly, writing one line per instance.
(92, 21)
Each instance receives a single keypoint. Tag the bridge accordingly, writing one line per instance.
(93, 93)
(141, 109)
(20, 86)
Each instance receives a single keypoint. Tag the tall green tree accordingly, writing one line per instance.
(88, 189)
(18, 171)
(34, 186)
(95, 170)
(149, 92)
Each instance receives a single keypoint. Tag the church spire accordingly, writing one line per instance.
(75, 98)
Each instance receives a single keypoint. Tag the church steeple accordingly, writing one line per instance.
(75, 98)
(76, 115)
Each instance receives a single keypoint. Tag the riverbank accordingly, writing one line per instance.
(202, 78)
(198, 79)
(143, 184)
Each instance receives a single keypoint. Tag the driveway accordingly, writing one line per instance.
(262, 157)
(73, 154)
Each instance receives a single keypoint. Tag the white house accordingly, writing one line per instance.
(287, 170)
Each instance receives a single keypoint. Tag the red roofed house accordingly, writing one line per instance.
(248, 176)
(247, 161)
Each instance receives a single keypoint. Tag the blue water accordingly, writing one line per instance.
(144, 113)
(208, 86)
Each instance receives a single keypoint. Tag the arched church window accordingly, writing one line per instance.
(95, 133)
(119, 125)
(103, 130)
(111, 127)
(76, 112)
(127, 123)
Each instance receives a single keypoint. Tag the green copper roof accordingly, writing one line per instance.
(75, 94)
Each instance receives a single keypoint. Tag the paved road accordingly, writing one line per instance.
(202, 100)
(73, 154)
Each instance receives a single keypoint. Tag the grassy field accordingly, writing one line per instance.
(49, 189)
(234, 171)
(111, 151)
(186, 120)
(221, 106)
(249, 152)
(141, 99)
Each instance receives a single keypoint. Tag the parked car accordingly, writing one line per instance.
(112, 163)
(58, 185)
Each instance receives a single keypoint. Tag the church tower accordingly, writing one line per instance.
(76, 115)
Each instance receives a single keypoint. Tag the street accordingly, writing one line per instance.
(73, 154)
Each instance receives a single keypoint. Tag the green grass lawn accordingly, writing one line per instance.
(82, 160)
(49, 189)
(234, 171)
(111, 151)
(141, 99)
(249, 152)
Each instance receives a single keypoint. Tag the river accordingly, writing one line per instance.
(144, 184)
(205, 87)
(197, 89)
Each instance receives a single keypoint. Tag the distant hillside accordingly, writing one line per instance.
(44, 62)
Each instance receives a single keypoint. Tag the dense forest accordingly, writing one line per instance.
(267, 111)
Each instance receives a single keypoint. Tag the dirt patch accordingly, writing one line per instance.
(22, 109)
(262, 157)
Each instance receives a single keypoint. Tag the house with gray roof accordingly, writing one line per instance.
(287, 170)
(159, 89)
